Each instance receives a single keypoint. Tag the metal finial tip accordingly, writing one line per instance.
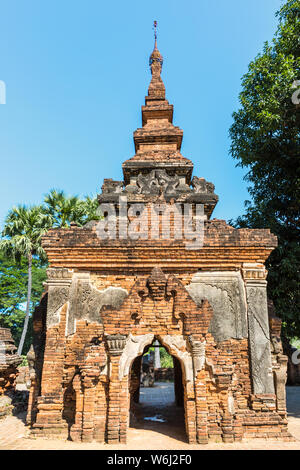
(155, 29)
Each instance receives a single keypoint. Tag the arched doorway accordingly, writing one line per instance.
(156, 394)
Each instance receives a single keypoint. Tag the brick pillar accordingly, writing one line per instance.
(201, 407)
(117, 409)
(124, 409)
(223, 381)
(90, 379)
(76, 428)
(198, 354)
(31, 409)
(100, 410)
(50, 403)
(190, 412)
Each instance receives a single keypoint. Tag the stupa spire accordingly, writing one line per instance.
(156, 59)
(156, 87)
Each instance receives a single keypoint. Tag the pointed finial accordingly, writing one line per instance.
(156, 59)
(155, 32)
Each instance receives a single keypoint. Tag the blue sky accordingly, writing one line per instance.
(77, 73)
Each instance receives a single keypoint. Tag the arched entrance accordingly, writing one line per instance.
(156, 394)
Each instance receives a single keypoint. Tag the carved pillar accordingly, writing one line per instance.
(198, 355)
(258, 325)
(280, 381)
(116, 422)
(34, 389)
(279, 360)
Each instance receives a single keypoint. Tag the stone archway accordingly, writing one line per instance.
(177, 346)
(156, 406)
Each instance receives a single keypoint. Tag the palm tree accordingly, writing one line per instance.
(89, 207)
(23, 230)
(66, 209)
(63, 209)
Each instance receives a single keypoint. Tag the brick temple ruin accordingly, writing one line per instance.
(107, 300)
(9, 361)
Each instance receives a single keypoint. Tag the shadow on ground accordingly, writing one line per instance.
(158, 402)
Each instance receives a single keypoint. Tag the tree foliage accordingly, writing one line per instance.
(13, 295)
(65, 209)
(23, 230)
(166, 359)
(265, 138)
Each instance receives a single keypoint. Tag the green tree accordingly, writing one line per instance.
(13, 293)
(265, 138)
(22, 234)
(23, 230)
(66, 209)
(166, 358)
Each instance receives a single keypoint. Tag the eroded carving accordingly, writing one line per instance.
(156, 182)
(116, 344)
(200, 185)
(259, 339)
(111, 186)
(226, 294)
(57, 297)
(178, 347)
(86, 302)
(134, 347)
(31, 363)
(198, 353)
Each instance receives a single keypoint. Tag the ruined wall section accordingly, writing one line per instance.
(202, 321)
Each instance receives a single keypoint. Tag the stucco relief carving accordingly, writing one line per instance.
(156, 182)
(31, 358)
(198, 353)
(86, 301)
(280, 376)
(259, 339)
(116, 344)
(57, 297)
(58, 282)
(111, 186)
(226, 294)
(134, 347)
(200, 185)
(59, 274)
(179, 348)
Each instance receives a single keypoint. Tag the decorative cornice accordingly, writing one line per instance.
(116, 344)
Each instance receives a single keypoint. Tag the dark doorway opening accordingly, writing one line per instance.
(157, 393)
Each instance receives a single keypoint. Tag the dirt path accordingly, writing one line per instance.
(150, 435)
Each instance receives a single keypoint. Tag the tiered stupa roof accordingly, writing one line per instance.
(158, 165)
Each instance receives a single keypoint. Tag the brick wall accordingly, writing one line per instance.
(83, 396)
